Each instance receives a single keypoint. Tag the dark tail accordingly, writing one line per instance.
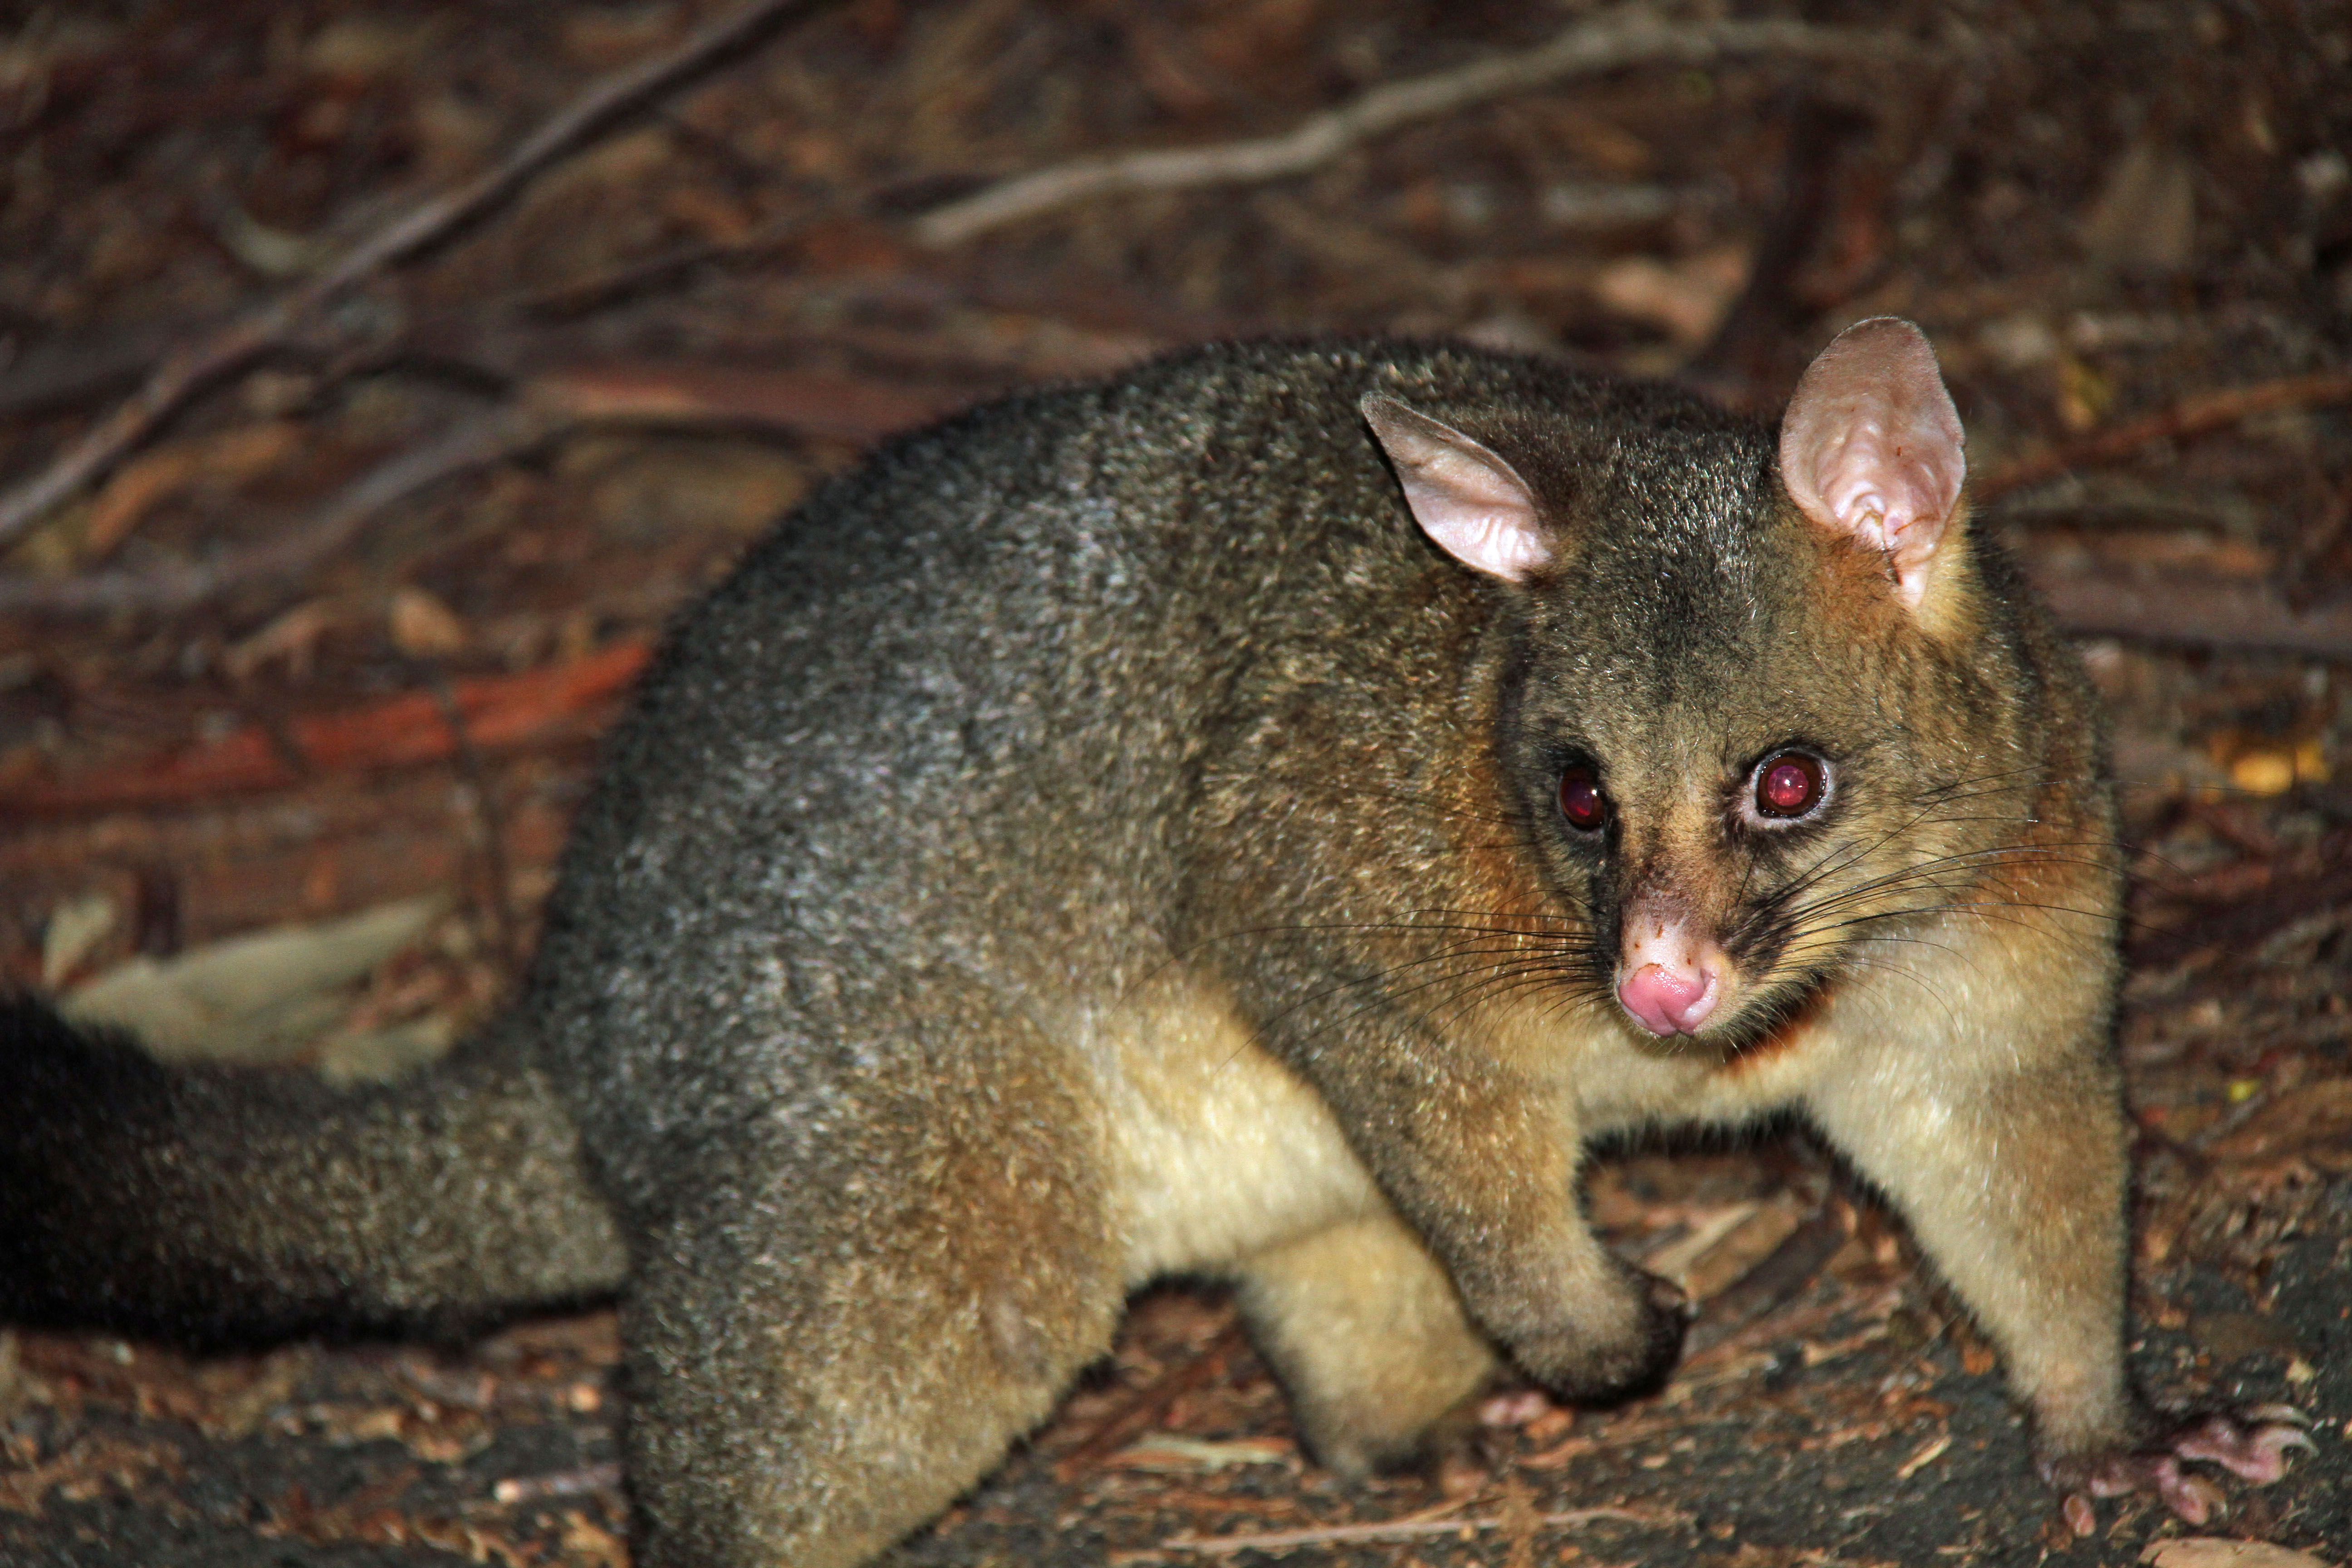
(214, 1206)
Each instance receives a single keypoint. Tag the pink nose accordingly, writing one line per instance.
(1669, 1001)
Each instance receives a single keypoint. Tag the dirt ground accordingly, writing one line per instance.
(334, 637)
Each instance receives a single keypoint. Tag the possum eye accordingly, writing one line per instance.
(1788, 785)
(1582, 802)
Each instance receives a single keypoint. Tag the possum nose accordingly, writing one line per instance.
(1672, 977)
(1669, 1001)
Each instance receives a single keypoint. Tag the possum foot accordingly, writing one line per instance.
(2253, 1447)
(1621, 1346)
(1515, 1406)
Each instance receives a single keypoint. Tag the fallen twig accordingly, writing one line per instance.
(546, 409)
(1409, 1528)
(2192, 612)
(1776, 1280)
(1741, 360)
(805, 403)
(2197, 415)
(561, 1483)
(190, 370)
(506, 433)
(497, 713)
(1632, 35)
(1789, 1321)
(2241, 927)
(1150, 1404)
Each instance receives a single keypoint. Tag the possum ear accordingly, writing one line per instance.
(1870, 447)
(1467, 500)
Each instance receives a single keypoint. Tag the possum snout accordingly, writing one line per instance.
(1673, 975)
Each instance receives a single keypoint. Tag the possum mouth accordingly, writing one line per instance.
(1779, 1023)
(1764, 1021)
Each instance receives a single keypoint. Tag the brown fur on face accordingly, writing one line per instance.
(1947, 796)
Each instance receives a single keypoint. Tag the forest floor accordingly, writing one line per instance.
(319, 652)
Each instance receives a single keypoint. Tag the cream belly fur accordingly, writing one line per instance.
(1226, 1162)
(1219, 1151)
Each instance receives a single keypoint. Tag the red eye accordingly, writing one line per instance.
(1582, 802)
(1788, 785)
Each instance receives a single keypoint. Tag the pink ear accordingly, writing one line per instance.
(1466, 499)
(1870, 447)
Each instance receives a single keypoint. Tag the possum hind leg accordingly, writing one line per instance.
(1367, 1334)
(828, 1341)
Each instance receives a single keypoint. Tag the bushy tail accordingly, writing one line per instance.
(214, 1205)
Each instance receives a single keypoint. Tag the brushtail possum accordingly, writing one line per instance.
(1260, 815)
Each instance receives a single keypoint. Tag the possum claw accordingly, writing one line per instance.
(2278, 1413)
(2257, 1454)
(1515, 1407)
(2254, 1449)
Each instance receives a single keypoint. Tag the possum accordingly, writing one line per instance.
(1260, 816)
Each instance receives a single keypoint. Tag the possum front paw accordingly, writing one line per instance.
(1621, 1343)
(2253, 1447)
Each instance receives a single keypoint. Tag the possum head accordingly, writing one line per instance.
(1757, 717)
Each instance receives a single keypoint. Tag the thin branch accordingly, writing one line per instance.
(1633, 35)
(602, 394)
(2198, 416)
(706, 396)
(598, 1478)
(476, 443)
(1778, 1278)
(2239, 928)
(497, 713)
(1409, 1528)
(198, 366)
(2192, 612)
(1150, 1403)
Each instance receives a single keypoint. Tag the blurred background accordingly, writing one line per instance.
(328, 548)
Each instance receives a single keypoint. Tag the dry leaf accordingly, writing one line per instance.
(75, 928)
(1169, 1452)
(292, 637)
(591, 1545)
(251, 997)
(1741, 1248)
(1687, 298)
(231, 456)
(423, 627)
(1675, 1259)
(2145, 217)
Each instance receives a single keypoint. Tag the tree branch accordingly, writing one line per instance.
(2191, 613)
(484, 713)
(192, 369)
(1633, 35)
(475, 443)
(545, 409)
(1408, 1528)
(2198, 416)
